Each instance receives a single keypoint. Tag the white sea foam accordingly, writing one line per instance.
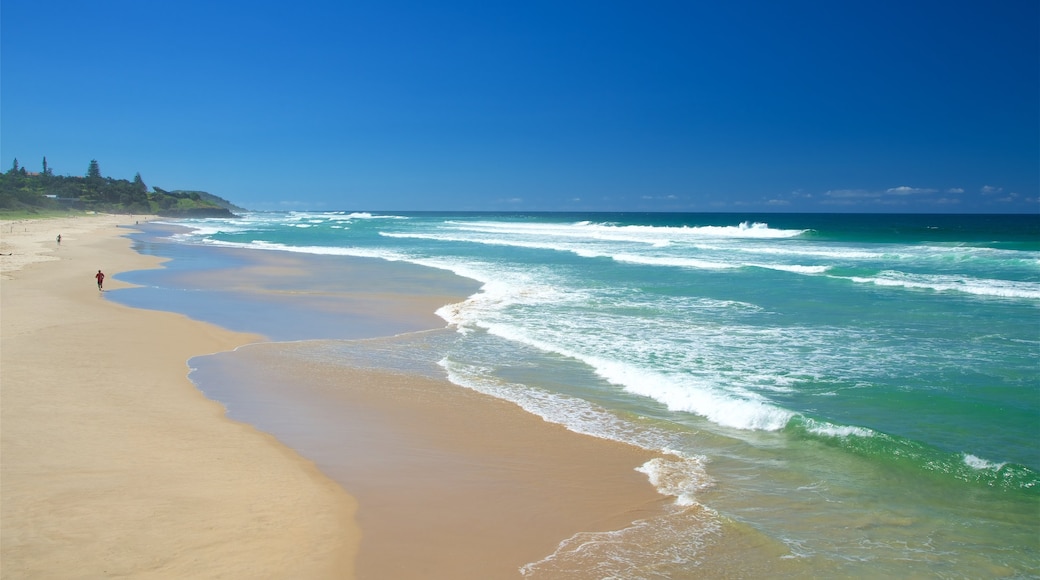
(654, 235)
(687, 394)
(711, 395)
(665, 546)
(206, 229)
(795, 268)
(582, 251)
(839, 253)
(488, 242)
(743, 230)
(675, 261)
(702, 264)
(946, 283)
(831, 430)
(592, 244)
(678, 477)
(981, 464)
(362, 215)
(647, 548)
(325, 217)
(575, 414)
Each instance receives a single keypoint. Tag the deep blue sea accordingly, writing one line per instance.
(861, 390)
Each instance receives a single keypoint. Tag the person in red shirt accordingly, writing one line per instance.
(100, 279)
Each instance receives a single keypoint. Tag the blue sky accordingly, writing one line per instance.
(838, 106)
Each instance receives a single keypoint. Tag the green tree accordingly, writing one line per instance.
(139, 184)
(14, 168)
(46, 170)
(93, 170)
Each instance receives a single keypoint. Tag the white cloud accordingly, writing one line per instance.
(893, 196)
(907, 190)
(990, 189)
(955, 190)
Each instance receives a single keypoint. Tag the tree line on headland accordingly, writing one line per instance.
(35, 192)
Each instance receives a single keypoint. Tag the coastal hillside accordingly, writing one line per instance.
(24, 191)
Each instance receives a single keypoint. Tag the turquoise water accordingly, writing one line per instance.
(862, 390)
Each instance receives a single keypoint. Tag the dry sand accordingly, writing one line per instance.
(111, 462)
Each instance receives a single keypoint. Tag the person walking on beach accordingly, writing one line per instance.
(59, 239)
(100, 279)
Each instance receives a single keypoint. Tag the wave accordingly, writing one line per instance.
(674, 261)
(207, 229)
(338, 216)
(495, 242)
(654, 235)
(794, 268)
(744, 411)
(584, 239)
(696, 396)
(577, 415)
(687, 394)
(629, 258)
(583, 252)
(947, 283)
(899, 451)
(659, 547)
(702, 264)
(981, 464)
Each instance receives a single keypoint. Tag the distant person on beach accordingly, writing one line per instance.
(59, 238)
(100, 279)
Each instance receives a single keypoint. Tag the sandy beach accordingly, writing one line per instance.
(112, 463)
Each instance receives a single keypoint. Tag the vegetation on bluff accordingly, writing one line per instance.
(43, 192)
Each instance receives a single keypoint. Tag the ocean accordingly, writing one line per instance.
(862, 391)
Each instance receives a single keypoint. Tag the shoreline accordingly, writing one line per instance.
(511, 490)
(450, 483)
(113, 463)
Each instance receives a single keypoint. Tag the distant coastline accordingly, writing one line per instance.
(26, 192)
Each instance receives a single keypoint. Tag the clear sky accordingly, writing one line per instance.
(654, 105)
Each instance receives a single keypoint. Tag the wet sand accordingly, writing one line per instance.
(450, 483)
